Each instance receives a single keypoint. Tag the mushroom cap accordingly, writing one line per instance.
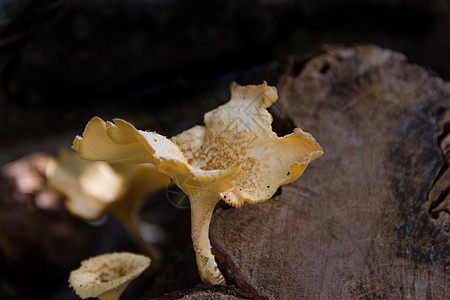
(100, 274)
(241, 131)
(91, 187)
(236, 155)
(109, 140)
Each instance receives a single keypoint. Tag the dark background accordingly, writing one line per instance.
(62, 61)
(162, 65)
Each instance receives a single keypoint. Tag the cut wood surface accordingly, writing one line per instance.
(369, 219)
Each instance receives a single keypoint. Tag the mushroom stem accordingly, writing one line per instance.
(202, 207)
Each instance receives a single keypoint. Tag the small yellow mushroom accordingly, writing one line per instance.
(92, 188)
(107, 276)
(235, 157)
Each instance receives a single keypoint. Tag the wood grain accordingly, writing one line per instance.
(359, 223)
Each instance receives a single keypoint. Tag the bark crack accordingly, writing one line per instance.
(439, 195)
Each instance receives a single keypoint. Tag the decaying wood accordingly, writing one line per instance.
(370, 218)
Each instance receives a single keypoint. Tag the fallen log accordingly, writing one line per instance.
(370, 218)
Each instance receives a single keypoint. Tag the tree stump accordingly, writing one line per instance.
(369, 219)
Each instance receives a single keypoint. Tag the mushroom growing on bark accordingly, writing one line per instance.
(235, 157)
(92, 188)
(106, 276)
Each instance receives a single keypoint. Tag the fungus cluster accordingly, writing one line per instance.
(234, 157)
(94, 187)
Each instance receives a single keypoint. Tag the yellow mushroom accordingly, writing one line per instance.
(107, 276)
(92, 188)
(235, 157)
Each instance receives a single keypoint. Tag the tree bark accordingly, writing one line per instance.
(370, 218)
